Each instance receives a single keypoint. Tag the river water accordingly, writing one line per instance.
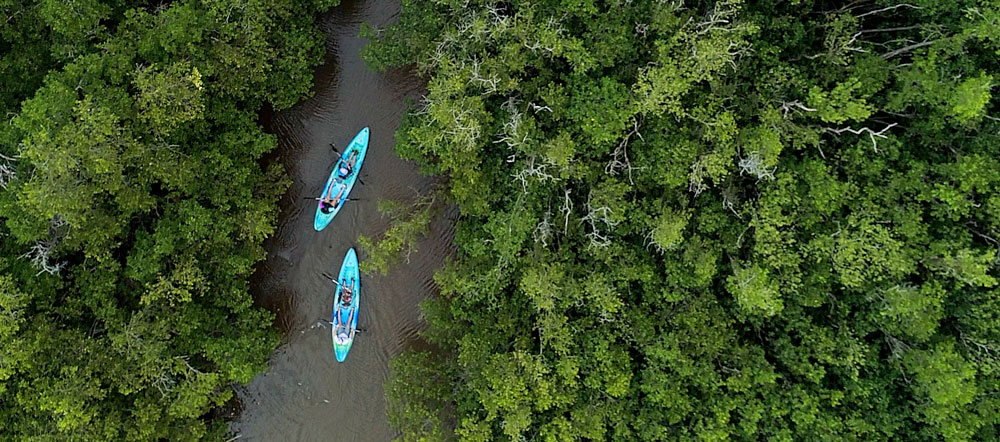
(306, 395)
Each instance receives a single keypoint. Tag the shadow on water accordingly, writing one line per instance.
(306, 395)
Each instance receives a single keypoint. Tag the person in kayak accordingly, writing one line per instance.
(341, 326)
(347, 167)
(327, 204)
(348, 293)
(344, 332)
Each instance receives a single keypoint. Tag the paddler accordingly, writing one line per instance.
(327, 204)
(348, 293)
(347, 167)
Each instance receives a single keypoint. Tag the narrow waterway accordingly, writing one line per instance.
(306, 395)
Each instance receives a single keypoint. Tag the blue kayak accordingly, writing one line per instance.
(338, 185)
(345, 316)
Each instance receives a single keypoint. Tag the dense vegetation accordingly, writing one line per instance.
(707, 220)
(134, 207)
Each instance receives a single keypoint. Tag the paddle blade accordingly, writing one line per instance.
(330, 278)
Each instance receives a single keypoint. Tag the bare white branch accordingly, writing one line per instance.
(696, 179)
(619, 158)
(872, 134)
(463, 127)
(512, 135)
(753, 164)
(896, 346)
(566, 209)
(8, 172)
(538, 45)
(896, 29)
(890, 8)
(532, 171)
(488, 83)
(41, 253)
(909, 48)
(184, 359)
(641, 29)
(594, 217)
(729, 200)
(424, 108)
(552, 26)
(796, 106)
(543, 231)
(716, 17)
(536, 108)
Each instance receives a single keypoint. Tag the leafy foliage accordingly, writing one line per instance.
(408, 224)
(123, 287)
(714, 220)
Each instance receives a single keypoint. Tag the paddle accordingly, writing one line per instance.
(321, 322)
(334, 148)
(321, 199)
(330, 323)
(332, 279)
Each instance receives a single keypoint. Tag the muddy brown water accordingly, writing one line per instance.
(306, 395)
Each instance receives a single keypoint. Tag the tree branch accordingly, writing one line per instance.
(870, 133)
(909, 48)
(890, 8)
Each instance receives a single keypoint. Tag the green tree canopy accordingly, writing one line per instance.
(707, 220)
(123, 282)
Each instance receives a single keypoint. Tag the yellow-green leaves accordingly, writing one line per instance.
(80, 176)
(169, 97)
(842, 104)
(560, 151)
(668, 232)
(754, 290)
(967, 266)
(692, 52)
(971, 97)
(184, 281)
(947, 382)
(408, 224)
(12, 316)
(74, 23)
(913, 311)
